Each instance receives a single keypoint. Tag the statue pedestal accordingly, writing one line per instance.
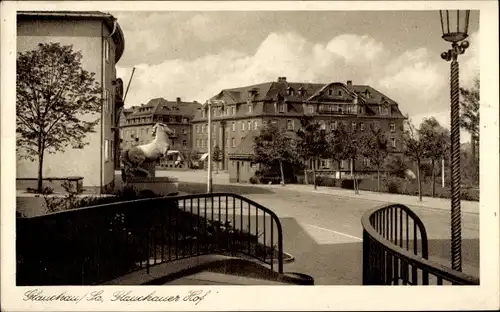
(162, 186)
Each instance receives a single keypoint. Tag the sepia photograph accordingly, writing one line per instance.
(224, 146)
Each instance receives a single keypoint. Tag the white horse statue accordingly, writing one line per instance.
(135, 159)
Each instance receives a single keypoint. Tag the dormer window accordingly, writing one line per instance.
(301, 91)
(330, 92)
(367, 94)
(282, 108)
(339, 93)
(290, 91)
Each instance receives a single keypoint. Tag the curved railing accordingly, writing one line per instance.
(395, 251)
(95, 244)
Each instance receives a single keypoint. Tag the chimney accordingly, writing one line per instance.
(178, 100)
(281, 79)
(349, 84)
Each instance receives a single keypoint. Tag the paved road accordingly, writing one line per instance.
(323, 231)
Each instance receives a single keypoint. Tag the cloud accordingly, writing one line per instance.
(417, 79)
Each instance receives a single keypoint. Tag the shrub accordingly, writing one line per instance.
(253, 180)
(393, 187)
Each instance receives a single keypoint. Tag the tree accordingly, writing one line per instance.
(217, 156)
(343, 144)
(337, 144)
(273, 146)
(469, 119)
(435, 141)
(310, 143)
(53, 92)
(415, 150)
(374, 146)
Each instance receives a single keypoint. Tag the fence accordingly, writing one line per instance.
(395, 251)
(92, 245)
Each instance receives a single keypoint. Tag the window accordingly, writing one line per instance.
(106, 150)
(233, 142)
(106, 50)
(289, 124)
(233, 125)
(250, 108)
(282, 107)
(202, 113)
(362, 126)
(234, 110)
(322, 125)
(339, 93)
(393, 142)
(112, 150)
(197, 129)
(172, 119)
(184, 143)
(249, 125)
(353, 125)
(242, 126)
(333, 125)
(392, 127)
(342, 164)
(184, 120)
(227, 141)
(323, 163)
(274, 123)
(366, 162)
(311, 109)
(256, 124)
(184, 131)
(330, 92)
(214, 142)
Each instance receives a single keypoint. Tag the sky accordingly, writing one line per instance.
(195, 55)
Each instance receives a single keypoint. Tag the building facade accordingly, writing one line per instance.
(247, 109)
(137, 122)
(99, 38)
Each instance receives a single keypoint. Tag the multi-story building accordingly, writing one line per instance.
(100, 40)
(247, 109)
(137, 122)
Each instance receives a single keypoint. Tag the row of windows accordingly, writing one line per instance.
(136, 141)
(203, 143)
(145, 131)
(244, 125)
(166, 119)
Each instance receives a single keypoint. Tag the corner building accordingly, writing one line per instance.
(247, 109)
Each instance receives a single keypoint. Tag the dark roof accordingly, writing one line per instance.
(246, 146)
(160, 106)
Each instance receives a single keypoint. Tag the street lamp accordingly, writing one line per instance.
(209, 151)
(454, 25)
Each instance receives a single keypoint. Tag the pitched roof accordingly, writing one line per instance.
(160, 106)
(246, 146)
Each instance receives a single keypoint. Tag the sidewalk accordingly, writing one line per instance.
(427, 202)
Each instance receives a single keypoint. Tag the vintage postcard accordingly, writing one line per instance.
(333, 155)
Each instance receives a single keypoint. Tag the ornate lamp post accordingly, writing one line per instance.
(454, 25)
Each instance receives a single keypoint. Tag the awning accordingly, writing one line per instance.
(203, 157)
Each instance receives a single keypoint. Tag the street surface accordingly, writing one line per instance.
(323, 231)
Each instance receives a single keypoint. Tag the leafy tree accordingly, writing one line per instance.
(273, 146)
(53, 92)
(374, 146)
(415, 150)
(310, 143)
(343, 144)
(435, 140)
(469, 119)
(337, 144)
(217, 156)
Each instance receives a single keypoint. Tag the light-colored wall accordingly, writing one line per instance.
(85, 36)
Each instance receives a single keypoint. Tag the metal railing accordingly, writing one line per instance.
(95, 244)
(395, 251)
